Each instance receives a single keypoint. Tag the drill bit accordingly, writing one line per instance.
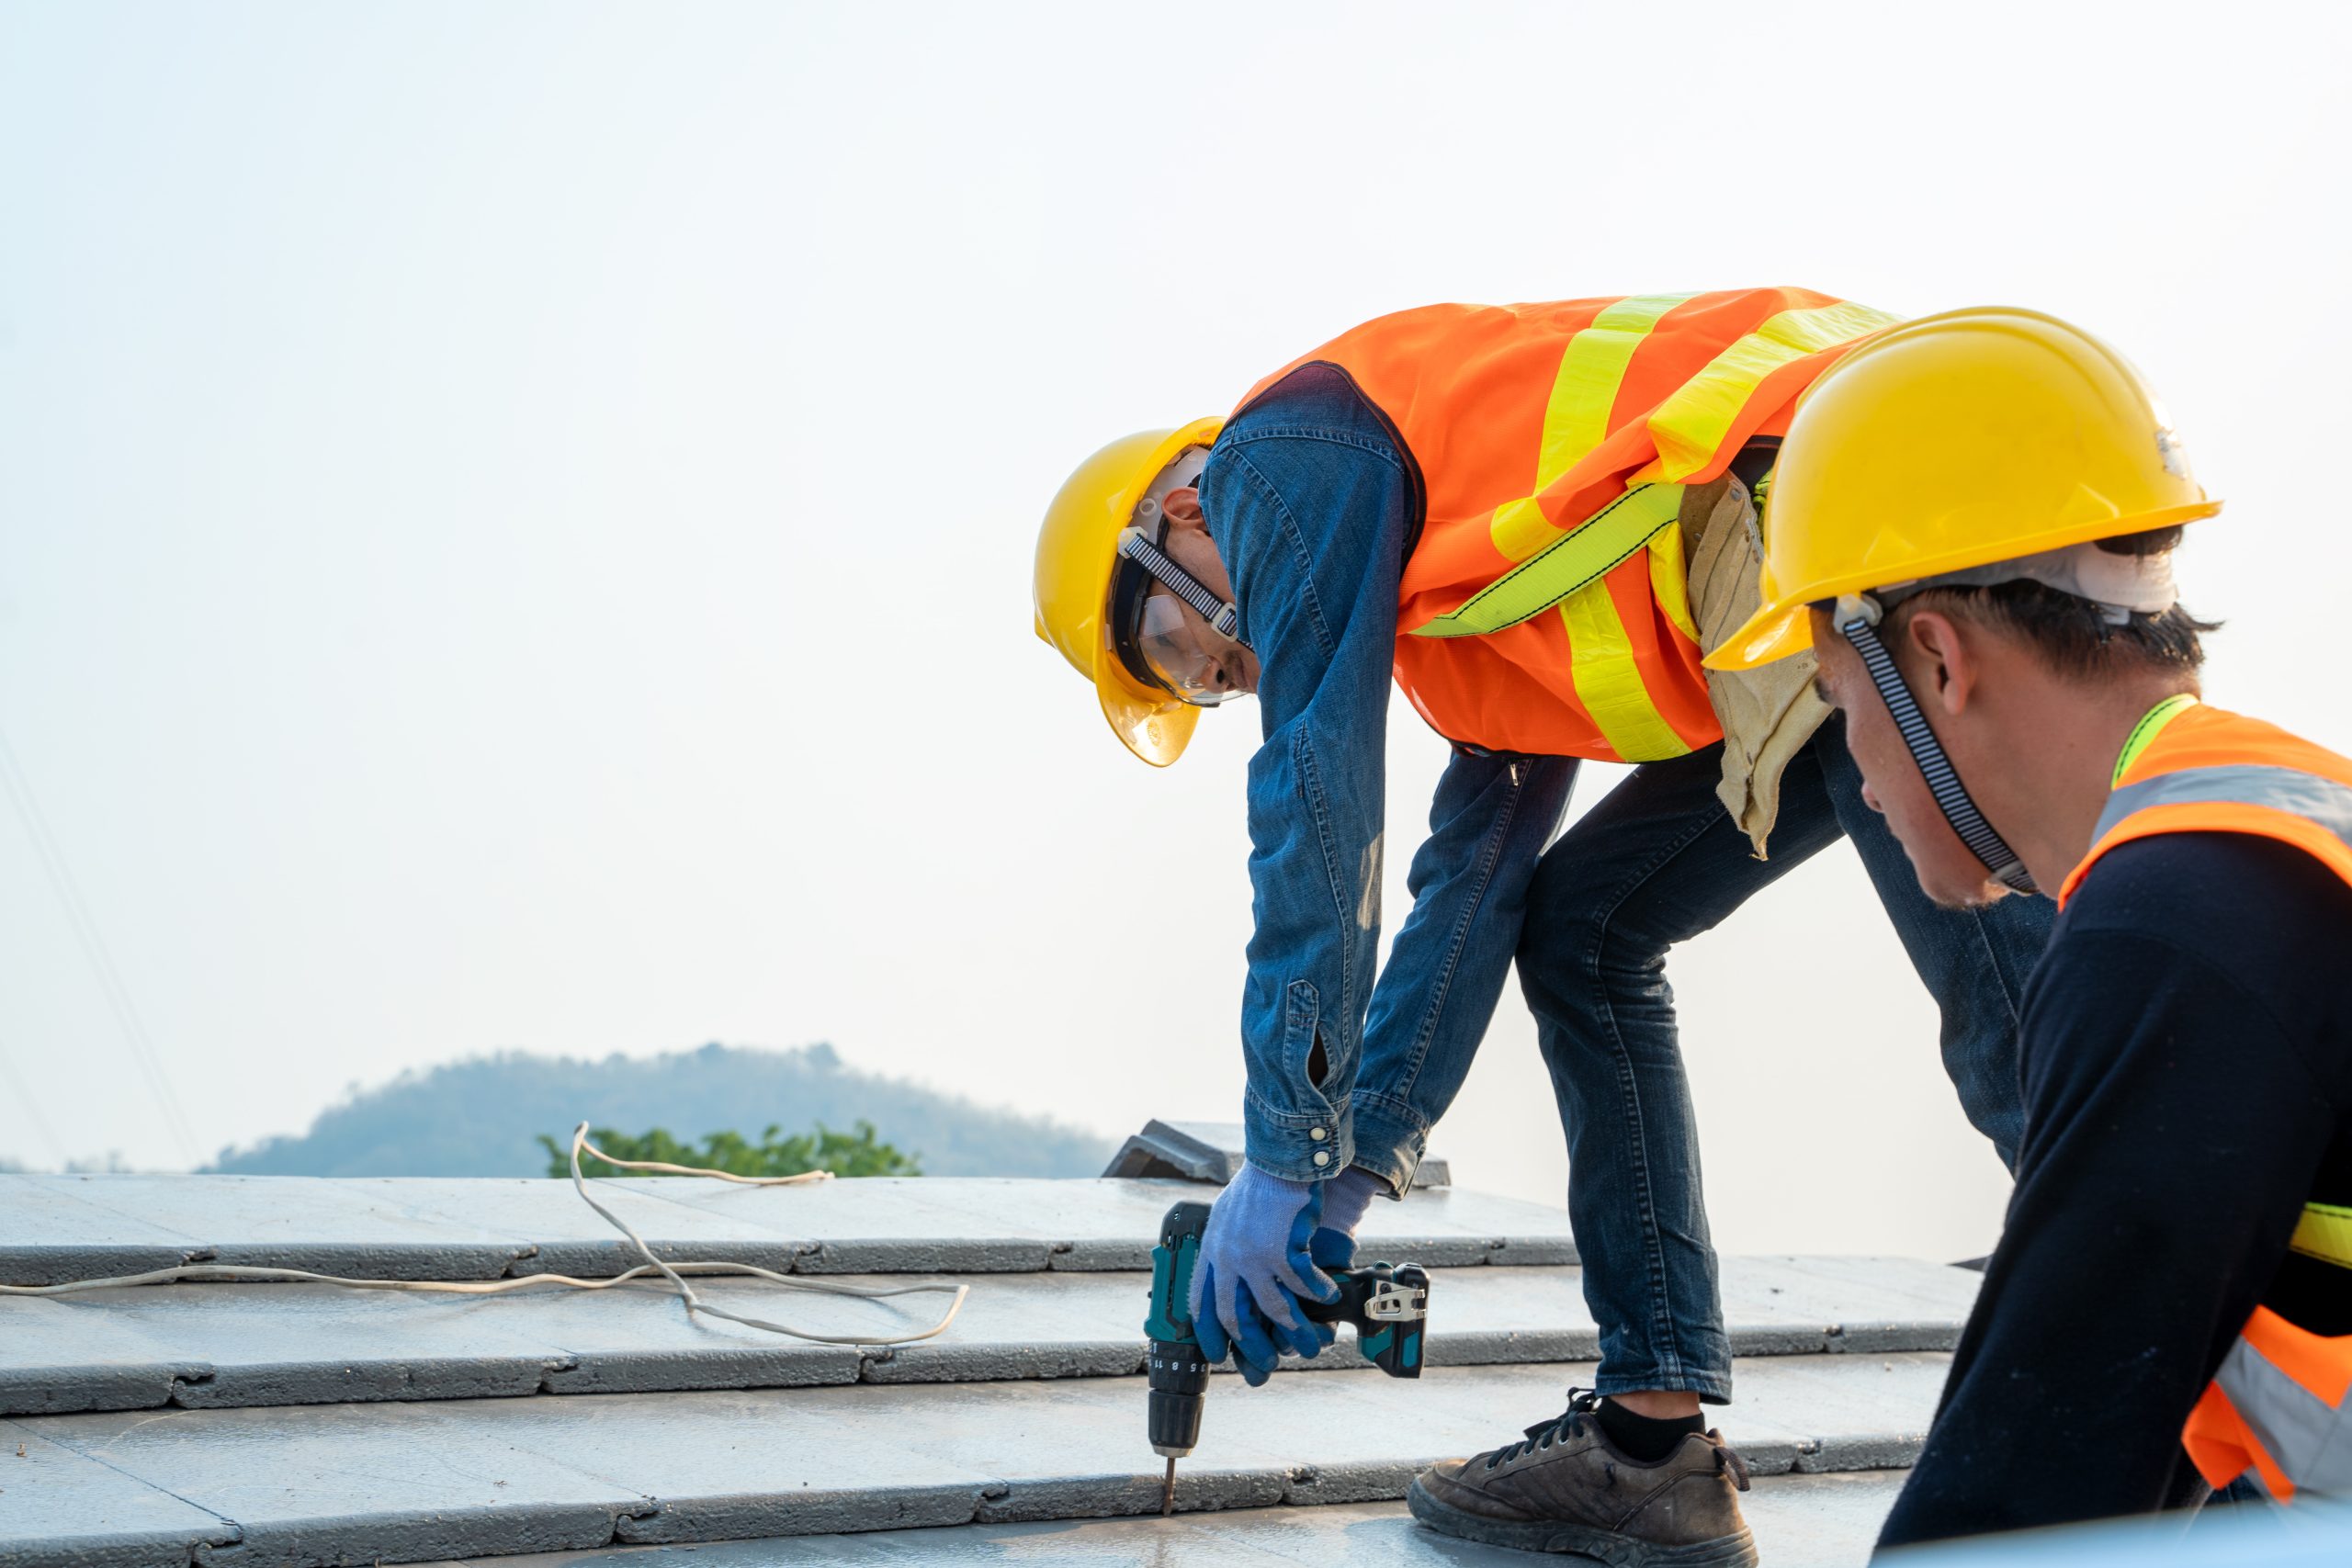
(1168, 1491)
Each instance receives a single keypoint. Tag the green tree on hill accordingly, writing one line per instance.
(860, 1152)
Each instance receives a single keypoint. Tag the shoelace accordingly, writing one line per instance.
(1582, 1401)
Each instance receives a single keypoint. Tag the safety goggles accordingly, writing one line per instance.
(1193, 662)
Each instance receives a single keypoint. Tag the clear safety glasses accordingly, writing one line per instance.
(1184, 662)
(1198, 664)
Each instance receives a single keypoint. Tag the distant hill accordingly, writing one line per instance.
(478, 1117)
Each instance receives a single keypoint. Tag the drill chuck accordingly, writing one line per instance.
(1179, 1377)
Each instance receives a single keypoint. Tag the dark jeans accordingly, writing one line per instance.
(1659, 860)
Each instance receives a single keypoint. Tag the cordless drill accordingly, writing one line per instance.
(1387, 1303)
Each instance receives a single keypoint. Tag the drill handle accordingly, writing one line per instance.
(1388, 1305)
(1172, 1262)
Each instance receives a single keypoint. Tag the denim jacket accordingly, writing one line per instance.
(1310, 502)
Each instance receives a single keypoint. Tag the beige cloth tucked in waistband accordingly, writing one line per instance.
(1768, 713)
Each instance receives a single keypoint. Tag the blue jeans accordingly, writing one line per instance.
(1311, 505)
(1656, 862)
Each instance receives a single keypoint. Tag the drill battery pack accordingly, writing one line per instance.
(1388, 1305)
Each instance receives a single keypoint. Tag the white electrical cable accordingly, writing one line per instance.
(230, 1273)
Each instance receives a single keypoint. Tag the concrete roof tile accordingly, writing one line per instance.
(349, 1484)
(63, 1509)
(56, 1359)
(48, 1235)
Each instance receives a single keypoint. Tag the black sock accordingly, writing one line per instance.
(1645, 1438)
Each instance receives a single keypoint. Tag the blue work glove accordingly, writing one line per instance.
(1328, 1249)
(1254, 1266)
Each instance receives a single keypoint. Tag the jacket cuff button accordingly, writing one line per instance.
(1322, 1156)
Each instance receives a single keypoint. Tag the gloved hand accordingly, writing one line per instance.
(1328, 1249)
(1254, 1266)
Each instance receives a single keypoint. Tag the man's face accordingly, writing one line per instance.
(1188, 652)
(1891, 784)
(1226, 665)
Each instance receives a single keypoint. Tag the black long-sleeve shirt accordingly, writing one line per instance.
(2186, 1052)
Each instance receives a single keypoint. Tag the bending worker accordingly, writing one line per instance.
(1535, 515)
(1975, 526)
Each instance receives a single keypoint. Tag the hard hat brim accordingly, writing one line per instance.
(1782, 628)
(1157, 730)
(1769, 635)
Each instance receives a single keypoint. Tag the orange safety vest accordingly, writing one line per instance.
(2278, 1404)
(1545, 607)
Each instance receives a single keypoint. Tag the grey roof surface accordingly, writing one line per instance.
(299, 1424)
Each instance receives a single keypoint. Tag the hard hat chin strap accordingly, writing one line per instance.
(1857, 617)
(1224, 618)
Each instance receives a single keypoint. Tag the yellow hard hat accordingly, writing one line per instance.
(1078, 551)
(1951, 441)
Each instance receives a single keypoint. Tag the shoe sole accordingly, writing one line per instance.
(1560, 1538)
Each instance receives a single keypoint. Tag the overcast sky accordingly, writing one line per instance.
(516, 520)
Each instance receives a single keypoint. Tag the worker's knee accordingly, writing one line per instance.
(1583, 949)
(1591, 915)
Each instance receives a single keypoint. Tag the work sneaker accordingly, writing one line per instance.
(1565, 1488)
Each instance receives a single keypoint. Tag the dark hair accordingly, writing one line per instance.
(2074, 634)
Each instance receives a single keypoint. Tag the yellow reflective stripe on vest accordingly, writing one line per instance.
(1575, 560)
(1670, 578)
(1563, 567)
(1691, 423)
(2151, 724)
(2326, 1232)
(2309, 1439)
(1609, 683)
(1576, 420)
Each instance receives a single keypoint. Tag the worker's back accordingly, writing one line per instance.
(2278, 1400)
(1525, 421)
(2183, 1202)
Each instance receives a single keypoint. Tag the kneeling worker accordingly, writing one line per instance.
(1532, 515)
(1973, 523)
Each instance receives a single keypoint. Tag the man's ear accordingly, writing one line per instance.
(1183, 508)
(1945, 661)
